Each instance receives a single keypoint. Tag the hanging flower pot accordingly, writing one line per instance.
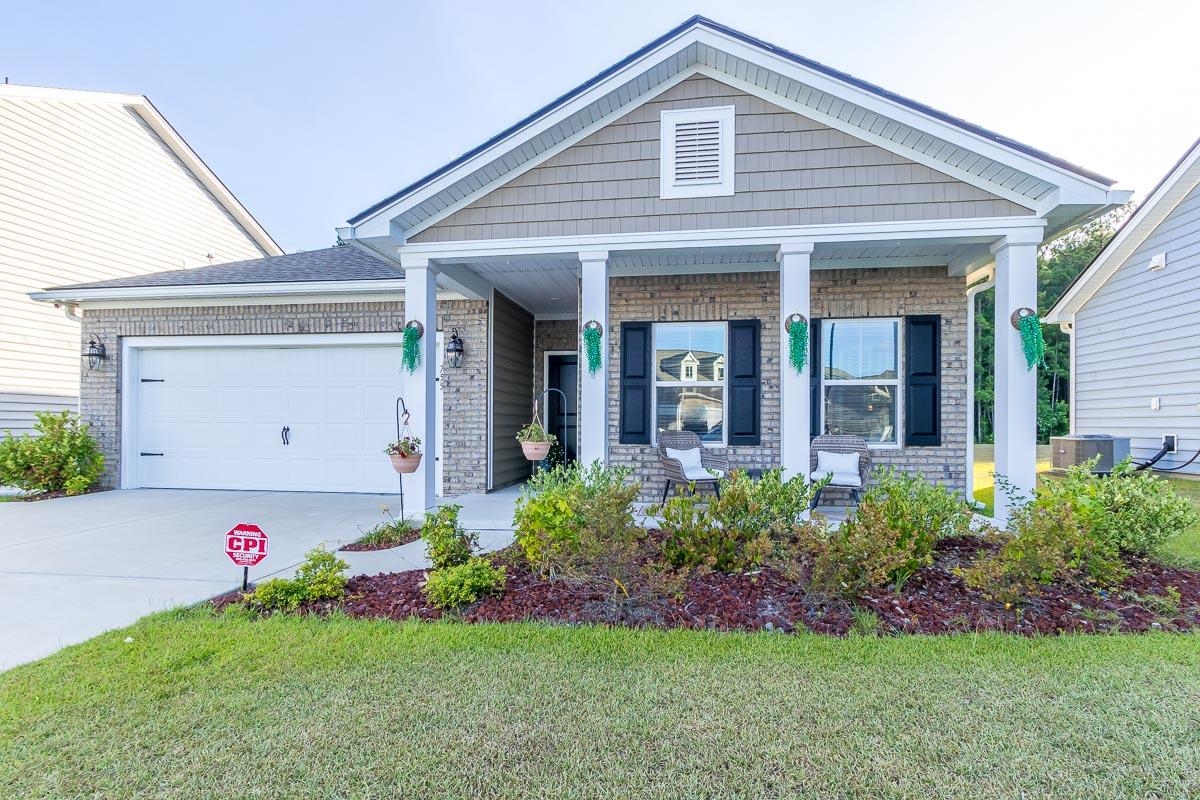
(592, 332)
(1026, 321)
(535, 441)
(406, 465)
(405, 454)
(797, 331)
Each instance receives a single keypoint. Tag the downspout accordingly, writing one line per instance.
(1069, 329)
(989, 282)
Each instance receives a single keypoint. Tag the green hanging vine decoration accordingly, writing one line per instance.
(591, 346)
(797, 330)
(410, 348)
(1026, 321)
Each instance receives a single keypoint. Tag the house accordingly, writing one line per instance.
(94, 186)
(697, 197)
(1134, 321)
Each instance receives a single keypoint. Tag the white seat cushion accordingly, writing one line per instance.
(842, 466)
(693, 469)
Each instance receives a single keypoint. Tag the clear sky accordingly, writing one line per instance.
(310, 112)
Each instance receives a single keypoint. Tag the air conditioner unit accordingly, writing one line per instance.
(1078, 448)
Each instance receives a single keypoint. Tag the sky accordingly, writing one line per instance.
(310, 112)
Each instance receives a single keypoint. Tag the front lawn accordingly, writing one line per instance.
(200, 706)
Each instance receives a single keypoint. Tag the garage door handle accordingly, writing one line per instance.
(150, 454)
(283, 434)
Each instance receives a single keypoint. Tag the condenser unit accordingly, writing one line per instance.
(1078, 448)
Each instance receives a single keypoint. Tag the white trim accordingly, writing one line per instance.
(1069, 329)
(972, 292)
(546, 354)
(131, 347)
(279, 289)
(669, 186)
(491, 383)
(287, 300)
(899, 419)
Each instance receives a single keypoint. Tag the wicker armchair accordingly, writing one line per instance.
(710, 462)
(834, 443)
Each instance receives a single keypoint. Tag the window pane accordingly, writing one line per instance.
(866, 411)
(859, 349)
(689, 351)
(700, 410)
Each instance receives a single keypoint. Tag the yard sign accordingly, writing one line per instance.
(246, 546)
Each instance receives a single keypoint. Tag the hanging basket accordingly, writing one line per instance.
(592, 333)
(797, 331)
(1033, 345)
(410, 346)
(406, 465)
(536, 451)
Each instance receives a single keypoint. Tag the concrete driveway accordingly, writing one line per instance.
(75, 567)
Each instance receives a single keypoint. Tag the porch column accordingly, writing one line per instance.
(593, 388)
(1016, 385)
(420, 386)
(795, 396)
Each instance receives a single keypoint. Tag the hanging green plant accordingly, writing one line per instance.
(410, 349)
(797, 330)
(1026, 321)
(591, 345)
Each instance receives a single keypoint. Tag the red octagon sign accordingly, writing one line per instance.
(246, 544)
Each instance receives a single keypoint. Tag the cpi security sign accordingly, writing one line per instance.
(246, 544)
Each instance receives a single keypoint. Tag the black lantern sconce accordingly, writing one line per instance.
(95, 353)
(454, 350)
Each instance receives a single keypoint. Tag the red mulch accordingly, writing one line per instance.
(933, 601)
(358, 547)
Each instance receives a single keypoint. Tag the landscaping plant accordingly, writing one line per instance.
(463, 584)
(449, 545)
(61, 456)
(405, 446)
(320, 577)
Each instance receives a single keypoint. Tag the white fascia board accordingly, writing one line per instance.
(1149, 215)
(983, 229)
(222, 290)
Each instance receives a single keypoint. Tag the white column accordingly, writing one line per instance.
(420, 386)
(794, 416)
(1016, 384)
(593, 401)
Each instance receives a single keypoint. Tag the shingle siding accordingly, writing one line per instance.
(789, 170)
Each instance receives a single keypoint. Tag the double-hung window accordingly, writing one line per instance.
(860, 371)
(689, 378)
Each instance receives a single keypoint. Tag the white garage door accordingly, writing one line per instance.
(298, 418)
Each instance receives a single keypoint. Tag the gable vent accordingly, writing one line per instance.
(697, 152)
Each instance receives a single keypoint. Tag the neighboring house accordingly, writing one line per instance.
(1134, 320)
(689, 199)
(93, 186)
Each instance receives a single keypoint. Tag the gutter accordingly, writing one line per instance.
(989, 282)
(284, 289)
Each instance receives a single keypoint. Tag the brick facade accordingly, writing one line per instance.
(551, 335)
(465, 397)
(835, 293)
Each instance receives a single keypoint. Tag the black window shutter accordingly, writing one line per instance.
(816, 372)
(744, 375)
(637, 381)
(923, 381)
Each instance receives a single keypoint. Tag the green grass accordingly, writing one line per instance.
(199, 706)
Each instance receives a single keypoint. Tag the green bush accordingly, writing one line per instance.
(463, 584)
(449, 545)
(320, 577)
(889, 536)
(62, 456)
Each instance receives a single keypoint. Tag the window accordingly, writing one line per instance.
(689, 379)
(697, 152)
(860, 370)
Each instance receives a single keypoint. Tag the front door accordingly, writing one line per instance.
(562, 417)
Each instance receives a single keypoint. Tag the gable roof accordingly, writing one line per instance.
(141, 105)
(699, 44)
(1179, 181)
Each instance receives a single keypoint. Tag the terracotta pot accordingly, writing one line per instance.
(536, 451)
(405, 464)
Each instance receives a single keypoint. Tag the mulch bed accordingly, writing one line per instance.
(934, 601)
(360, 547)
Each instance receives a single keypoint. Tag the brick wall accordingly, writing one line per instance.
(465, 398)
(550, 335)
(835, 293)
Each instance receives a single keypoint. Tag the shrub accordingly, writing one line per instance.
(889, 536)
(694, 539)
(463, 584)
(62, 456)
(320, 577)
(449, 545)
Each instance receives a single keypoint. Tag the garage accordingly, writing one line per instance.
(225, 413)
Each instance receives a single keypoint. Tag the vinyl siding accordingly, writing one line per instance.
(1138, 337)
(512, 388)
(789, 170)
(88, 191)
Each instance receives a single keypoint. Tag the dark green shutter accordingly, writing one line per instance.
(744, 375)
(815, 372)
(637, 381)
(923, 381)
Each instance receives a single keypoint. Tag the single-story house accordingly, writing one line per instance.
(697, 195)
(1134, 321)
(93, 186)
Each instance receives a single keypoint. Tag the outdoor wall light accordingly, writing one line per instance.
(95, 352)
(454, 350)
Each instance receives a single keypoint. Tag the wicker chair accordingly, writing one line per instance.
(834, 443)
(686, 440)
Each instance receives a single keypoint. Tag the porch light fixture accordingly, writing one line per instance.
(95, 353)
(454, 350)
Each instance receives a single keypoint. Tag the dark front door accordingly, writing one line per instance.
(562, 417)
